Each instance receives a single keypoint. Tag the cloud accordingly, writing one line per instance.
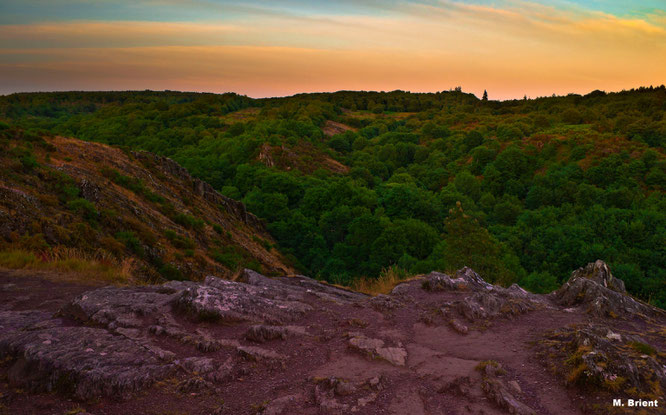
(274, 71)
(113, 34)
(516, 47)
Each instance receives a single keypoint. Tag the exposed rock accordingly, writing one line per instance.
(11, 321)
(515, 387)
(259, 354)
(87, 362)
(458, 326)
(600, 273)
(603, 295)
(499, 390)
(324, 291)
(436, 281)
(375, 349)
(383, 302)
(198, 365)
(491, 304)
(120, 306)
(280, 405)
(460, 386)
(592, 357)
(203, 189)
(193, 385)
(344, 388)
(499, 393)
(89, 190)
(115, 341)
(264, 333)
(325, 399)
(230, 301)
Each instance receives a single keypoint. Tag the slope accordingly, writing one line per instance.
(68, 203)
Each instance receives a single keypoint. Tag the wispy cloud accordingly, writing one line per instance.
(511, 47)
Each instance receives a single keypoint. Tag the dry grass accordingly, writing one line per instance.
(81, 266)
(384, 284)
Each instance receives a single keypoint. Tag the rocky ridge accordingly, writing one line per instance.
(91, 200)
(258, 345)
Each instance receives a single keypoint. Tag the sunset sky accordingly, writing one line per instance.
(281, 47)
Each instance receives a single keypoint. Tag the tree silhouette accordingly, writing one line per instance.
(485, 95)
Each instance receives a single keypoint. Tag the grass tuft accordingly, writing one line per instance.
(387, 280)
(99, 266)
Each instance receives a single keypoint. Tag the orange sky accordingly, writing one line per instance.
(521, 48)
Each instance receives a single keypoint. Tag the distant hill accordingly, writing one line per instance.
(64, 199)
(353, 183)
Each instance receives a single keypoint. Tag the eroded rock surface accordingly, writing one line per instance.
(258, 345)
(595, 288)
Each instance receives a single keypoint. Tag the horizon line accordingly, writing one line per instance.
(554, 95)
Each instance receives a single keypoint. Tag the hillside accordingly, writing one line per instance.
(437, 344)
(120, 215)
(353, 183)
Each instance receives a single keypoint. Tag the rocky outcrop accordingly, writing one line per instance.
(482, 300)
(594, 288)
(596, 356)
(86, 362)
(203, 189)
(229, 301)
(296, 345)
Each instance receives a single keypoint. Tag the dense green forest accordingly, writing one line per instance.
(350, 183)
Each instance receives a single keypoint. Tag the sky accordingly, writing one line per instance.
(261, 48)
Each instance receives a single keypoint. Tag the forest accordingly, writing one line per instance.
(353, 183)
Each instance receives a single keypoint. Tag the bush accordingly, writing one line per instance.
(188, 221)
(178, 241)
(170, 272)
(83, 207)
(228, 256)
(131, 242)
(28, 161)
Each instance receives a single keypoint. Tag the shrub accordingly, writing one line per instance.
(643, 348)
(29, 162)
(188, 221)
(228, 256)
(170, 272)
(178, 241)
(83, 207)
(131, 242)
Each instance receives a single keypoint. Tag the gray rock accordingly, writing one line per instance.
(344, 388)
(258, 354)
(458, 326)
(86, 362)
(120, 306)
(383, 302)
(263, 333)
(229, 301)
(606, 359)
(280, 405)
(11, 321)
(604, 296)
(499, 393)
(375, 349)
